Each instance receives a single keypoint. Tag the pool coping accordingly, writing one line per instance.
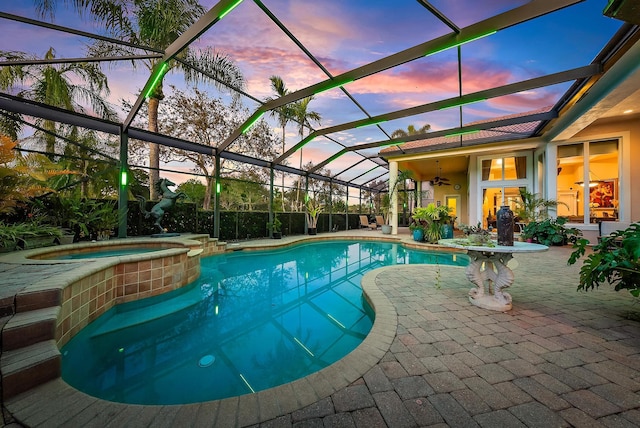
(245, 409)
(263, 405)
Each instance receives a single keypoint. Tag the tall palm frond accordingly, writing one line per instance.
(284, 114)
(214, 63)
(157, 24)
(411, 130)
(304, 117)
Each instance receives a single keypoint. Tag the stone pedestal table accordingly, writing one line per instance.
(488, 266)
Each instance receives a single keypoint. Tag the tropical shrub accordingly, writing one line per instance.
(433, 218)
(551, 232)
(614, 260)
(530, 207)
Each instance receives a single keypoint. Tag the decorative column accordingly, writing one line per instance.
(393, 178)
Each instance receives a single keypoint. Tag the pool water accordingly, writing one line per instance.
(253, 320)
(96, 254)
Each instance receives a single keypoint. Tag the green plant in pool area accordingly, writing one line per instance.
(314, 208)
(476, 235)
(20, 234)
(385, 203)
(529, 207)
(9, 235)
(551, 232)
(614, 260)
(275, 225)
(433, 218)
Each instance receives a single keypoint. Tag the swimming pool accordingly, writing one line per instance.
(252, 321)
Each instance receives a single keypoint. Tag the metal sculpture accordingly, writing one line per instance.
(168, 201)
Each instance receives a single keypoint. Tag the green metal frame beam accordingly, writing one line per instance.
(512, 17)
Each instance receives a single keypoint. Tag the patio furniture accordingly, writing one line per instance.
(489, 264)
(379, 220)
(364, 222)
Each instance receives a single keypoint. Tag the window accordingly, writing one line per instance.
(501, 181)
(495, 197)
(588, 181)
(507, 168)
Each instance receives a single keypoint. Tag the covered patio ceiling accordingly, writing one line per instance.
(451, 64)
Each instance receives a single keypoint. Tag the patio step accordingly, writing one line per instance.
(7, 305)
(28, 328)
(25, 368)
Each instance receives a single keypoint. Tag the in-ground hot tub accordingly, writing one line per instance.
(102, 249)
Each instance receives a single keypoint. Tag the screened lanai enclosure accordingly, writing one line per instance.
(256, 110)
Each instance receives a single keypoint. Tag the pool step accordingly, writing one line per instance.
(28, 328)
(25, 368)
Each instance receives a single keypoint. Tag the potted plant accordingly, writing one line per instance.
(60, 212)
(476, 235)
(615, 260)
(27, 235)
(417, 231)
(314, 208)
(385, 203)
(434, 218)
(275, 227)
(551, 232)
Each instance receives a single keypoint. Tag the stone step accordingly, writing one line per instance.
(7, 305)
(25, 368)
(28, 328)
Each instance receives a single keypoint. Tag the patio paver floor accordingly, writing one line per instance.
(558, 358)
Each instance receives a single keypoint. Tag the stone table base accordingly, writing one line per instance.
(488, 268)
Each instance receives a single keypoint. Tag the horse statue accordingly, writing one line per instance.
(167, 202)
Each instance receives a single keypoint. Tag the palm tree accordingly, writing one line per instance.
(304, 117)
(65, 86)
(10, 124)
(283, 113)
(53, 86)
(156, 24)
(411, 130)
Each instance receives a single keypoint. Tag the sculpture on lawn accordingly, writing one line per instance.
(168, 201)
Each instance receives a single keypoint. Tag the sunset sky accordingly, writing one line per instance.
(345, 34)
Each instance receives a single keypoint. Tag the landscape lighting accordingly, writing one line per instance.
(156, 79)
(461, 43)
(375, 122)
(334, 85)
(256, 117)
(229, 9)
(461, 133)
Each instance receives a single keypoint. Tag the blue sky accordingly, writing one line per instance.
(343, 35)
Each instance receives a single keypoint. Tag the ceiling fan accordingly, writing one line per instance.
(438, 180)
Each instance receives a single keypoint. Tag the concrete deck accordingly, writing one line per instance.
(558, 358)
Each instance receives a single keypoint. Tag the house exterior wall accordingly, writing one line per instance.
(544, 181)
(630, 171)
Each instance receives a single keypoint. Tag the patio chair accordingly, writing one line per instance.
(379, 220)
(364, 222)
